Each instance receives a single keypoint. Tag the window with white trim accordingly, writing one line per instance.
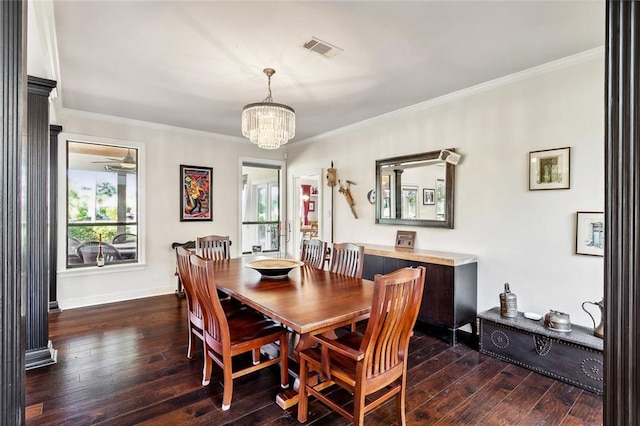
(102, 204)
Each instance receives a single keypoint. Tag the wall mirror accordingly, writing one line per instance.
(415, 190)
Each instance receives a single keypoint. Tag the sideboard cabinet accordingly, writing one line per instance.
(449, 300)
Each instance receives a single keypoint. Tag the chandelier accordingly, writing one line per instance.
(266, 123)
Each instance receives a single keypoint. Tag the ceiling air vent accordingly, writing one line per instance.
(322, 47)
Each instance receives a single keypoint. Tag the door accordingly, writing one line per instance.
(261, 197)
(307, 213)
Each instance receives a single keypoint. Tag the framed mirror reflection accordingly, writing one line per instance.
(415, 190)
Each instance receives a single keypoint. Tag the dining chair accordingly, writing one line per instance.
(195, 320)
(226, 338)
(194, 311)
(312, 253)
(213, 247)
(347, 259)
(367, 364)
(88, 251)
(125, 237)
(72, 252)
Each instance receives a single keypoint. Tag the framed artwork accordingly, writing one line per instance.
(428, 196)
(549, 169)
(195, 190)
(405, 239)
(590, 233)
(312, 206)
(314, 190)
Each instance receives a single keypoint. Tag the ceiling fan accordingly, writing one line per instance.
(128, 162)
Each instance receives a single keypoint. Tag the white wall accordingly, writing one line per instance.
(166, 148)
(521, 236)
(524, 237)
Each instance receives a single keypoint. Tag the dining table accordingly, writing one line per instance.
(307, 301)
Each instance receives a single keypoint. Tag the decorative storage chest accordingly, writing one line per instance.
(574, 357)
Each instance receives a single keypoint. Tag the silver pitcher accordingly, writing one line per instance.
(597, 330)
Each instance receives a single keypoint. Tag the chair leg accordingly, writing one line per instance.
(206, 370)
(255, 354)
(190, 347)
(284, 360)
(228, 384)
(401, 401)
(303, 397)
(358, 407)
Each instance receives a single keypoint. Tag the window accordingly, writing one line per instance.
(102, 203)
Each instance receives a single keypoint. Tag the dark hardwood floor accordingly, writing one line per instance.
(125, 363)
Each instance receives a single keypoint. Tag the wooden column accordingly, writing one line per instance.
(35, 192)
(13, 22)
(54, 131)
(398, 192)
(622, 215)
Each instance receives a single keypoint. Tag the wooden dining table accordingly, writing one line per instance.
(308, 301)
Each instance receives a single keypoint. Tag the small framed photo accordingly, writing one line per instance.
(590, 233)
(312, 206)
(428, 196)
(195, 190)
(549, 169)
(405, 239)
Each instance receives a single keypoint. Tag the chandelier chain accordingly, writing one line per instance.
(269, 98)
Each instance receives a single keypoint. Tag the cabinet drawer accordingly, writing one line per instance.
(578, 365)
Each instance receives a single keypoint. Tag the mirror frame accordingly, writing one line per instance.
(449, 192)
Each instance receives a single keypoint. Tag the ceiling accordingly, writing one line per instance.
(196, 64)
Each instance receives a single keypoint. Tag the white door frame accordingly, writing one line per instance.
(283, 196)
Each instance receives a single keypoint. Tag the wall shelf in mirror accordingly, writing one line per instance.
(400, 182)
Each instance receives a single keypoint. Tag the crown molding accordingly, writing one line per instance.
(45, 20)
(61, 112)
(559, 64)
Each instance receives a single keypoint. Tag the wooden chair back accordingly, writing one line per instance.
(313, 252)
(214, 247)
(394, 311)
(215, 321)
(347, 259)
(194, 309)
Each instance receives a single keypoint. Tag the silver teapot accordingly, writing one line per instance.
(597, 330)
(557, 321)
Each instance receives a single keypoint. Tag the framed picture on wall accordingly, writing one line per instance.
(195, 190)
(428, 196)
(549, 169)
(590, 233)
(312, 206)
(405, 239)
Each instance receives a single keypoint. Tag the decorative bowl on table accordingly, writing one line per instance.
(274, 268)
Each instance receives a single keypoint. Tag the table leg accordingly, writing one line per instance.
(289, 398)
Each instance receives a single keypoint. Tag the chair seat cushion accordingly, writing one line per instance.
(251, 326)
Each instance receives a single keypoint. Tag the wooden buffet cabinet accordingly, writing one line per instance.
(449, 300)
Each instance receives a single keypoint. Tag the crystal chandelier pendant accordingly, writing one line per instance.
(268, 124)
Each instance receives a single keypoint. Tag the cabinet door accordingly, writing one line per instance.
(437, 298)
